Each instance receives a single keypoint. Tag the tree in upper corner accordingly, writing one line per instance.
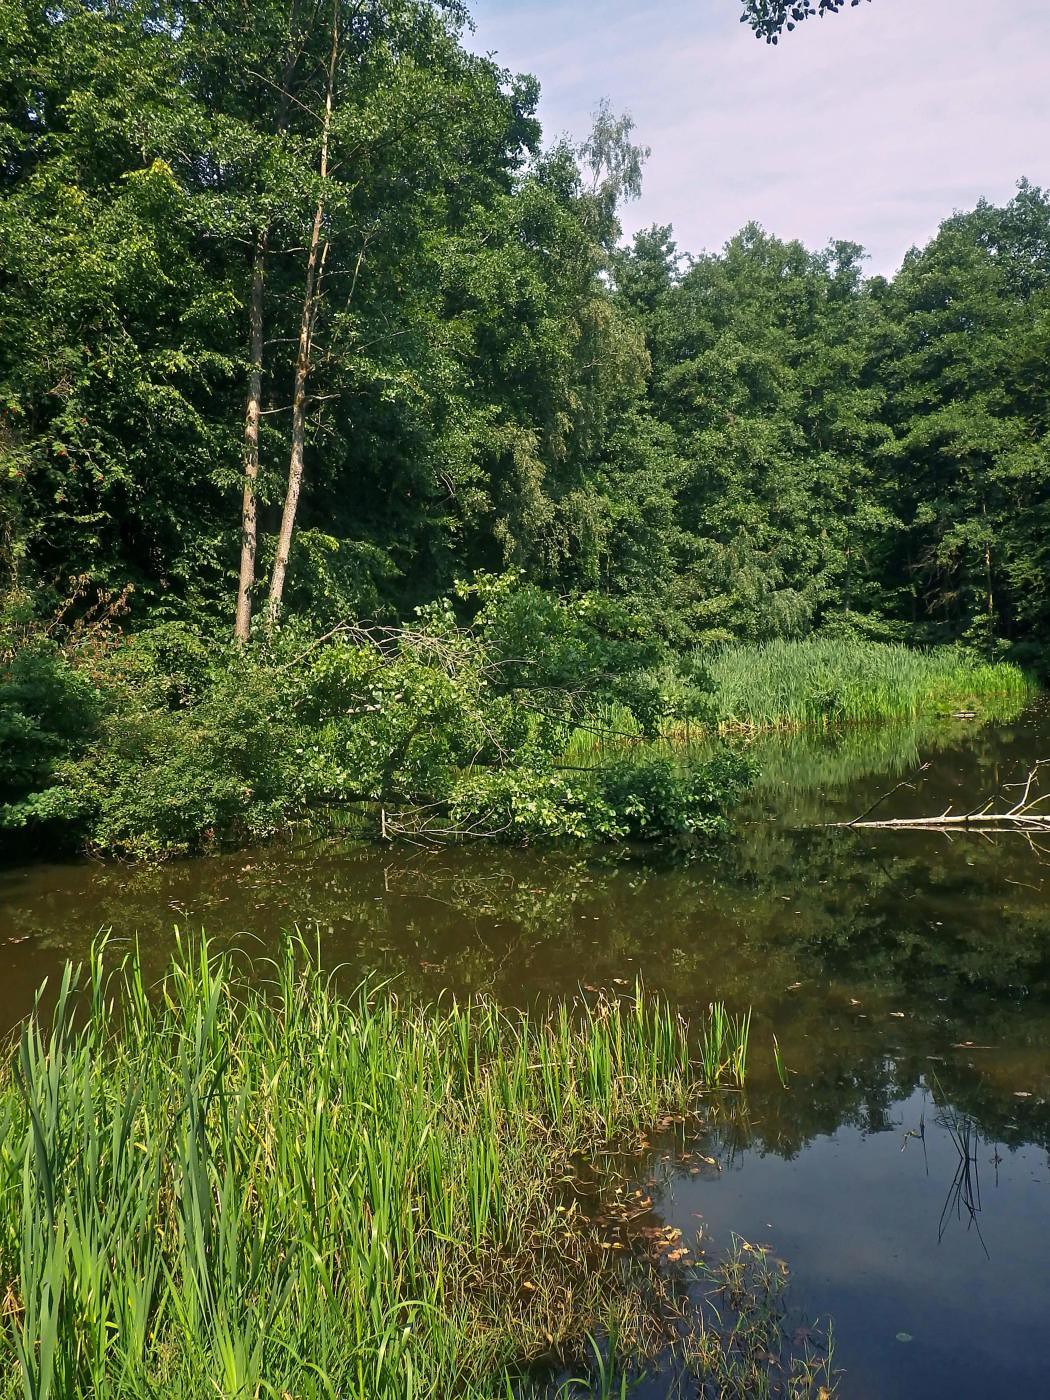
(770, 18)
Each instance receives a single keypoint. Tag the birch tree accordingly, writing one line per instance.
(317, 256)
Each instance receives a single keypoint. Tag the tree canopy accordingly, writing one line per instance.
(303, 325)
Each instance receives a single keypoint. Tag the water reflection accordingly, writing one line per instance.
(906, 974)
(932, 1267)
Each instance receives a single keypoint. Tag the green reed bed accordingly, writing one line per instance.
(815, 685)
(220, 1190)
(824, 682)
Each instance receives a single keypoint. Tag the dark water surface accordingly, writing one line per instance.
(904, 1175)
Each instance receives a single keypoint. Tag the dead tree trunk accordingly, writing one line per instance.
(1022, 816)
(315, 261)
(249, 503)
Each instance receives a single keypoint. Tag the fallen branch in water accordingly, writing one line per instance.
(904, 782)
(1020, 817)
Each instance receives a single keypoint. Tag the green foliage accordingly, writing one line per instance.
(750, 446)
(663, 796)
(436, 729)
(849, 454)
(963, 356)
(48, 711)
(229, 1190)
(770, 18)
(629, 453)
(468, 346)
(219, 769)
(759, 361)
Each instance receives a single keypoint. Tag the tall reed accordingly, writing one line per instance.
(814, 685)
(821, 682)
(222, 1190)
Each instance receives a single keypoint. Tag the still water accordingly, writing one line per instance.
(904, 1174)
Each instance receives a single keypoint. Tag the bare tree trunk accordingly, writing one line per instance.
(295, 462)
(249, 505)
(988, 577)
(315, 261)
(253, 408)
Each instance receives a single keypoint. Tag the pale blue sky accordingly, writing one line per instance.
(871, 125)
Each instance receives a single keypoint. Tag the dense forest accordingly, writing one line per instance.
(348, 454)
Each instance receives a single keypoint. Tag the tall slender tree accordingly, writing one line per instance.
(316, 258)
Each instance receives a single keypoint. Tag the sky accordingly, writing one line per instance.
(872, 125)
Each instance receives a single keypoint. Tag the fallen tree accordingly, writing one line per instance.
(1022, 816)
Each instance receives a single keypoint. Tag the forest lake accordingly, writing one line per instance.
(903, 1173)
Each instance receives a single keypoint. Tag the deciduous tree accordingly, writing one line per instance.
(771, 18)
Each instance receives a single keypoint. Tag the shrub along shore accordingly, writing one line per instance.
(243, 1191)
(514, 716)
(452, 726)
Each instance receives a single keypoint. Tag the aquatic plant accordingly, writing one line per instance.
(226, 1189)
(746, 1353)
(822, 682)
(795, 688)
(738, 1339)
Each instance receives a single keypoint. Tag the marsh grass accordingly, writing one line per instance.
(216, 1189)
(803, 689)
(821, 683)
(730, 1333)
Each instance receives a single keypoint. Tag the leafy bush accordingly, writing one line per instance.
(48, 711)
(435, 728)
(169, 664)
(660, 796)
(170, 782)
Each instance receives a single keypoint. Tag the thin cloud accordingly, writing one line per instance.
(872, 126)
